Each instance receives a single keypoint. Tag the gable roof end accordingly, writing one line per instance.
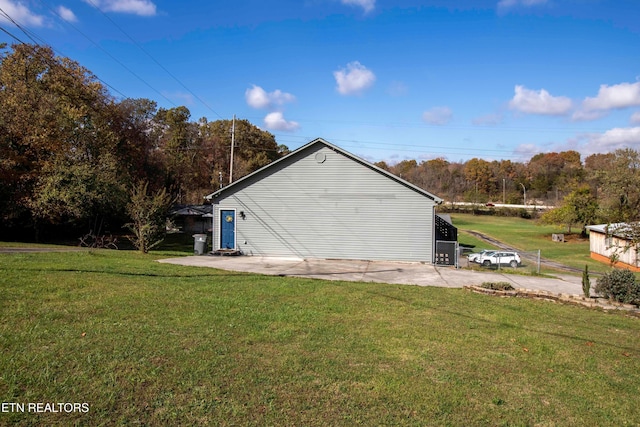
(337, 149)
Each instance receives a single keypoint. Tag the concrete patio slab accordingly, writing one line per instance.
(406, 273)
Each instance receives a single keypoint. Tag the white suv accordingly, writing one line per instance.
(500, 258)
(474, 257)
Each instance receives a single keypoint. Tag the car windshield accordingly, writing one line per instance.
(482, 252)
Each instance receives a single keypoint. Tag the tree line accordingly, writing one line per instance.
(73, 156)
(605, 188)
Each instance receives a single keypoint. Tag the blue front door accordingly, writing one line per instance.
(227, 229)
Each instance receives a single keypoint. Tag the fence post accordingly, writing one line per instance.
(456, 259)
(538, 261)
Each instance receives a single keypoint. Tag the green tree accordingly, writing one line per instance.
(584, 207)
(177, 140)
(133, 124)
(579, 207)
(69, 191)
(550, 172)
(148, 214)
(562, 216)
(57, 144)
(254, 148)
(68, 149)
(620, 186)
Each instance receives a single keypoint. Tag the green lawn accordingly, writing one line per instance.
(154, 344)
(527, 235)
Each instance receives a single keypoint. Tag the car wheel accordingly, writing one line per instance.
(486, 263)
(513, 263)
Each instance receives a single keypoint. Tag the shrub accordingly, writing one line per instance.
(148, 213)
(525, 214)
(498, 286)
(586, 283)
(619, 285)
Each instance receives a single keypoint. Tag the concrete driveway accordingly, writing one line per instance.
(405, 273)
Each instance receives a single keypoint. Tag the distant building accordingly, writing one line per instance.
(608, 241)
(192, 218)
(320, 201)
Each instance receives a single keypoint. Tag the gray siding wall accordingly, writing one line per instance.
(337, 208)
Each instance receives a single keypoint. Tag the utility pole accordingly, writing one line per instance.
(525, 194)
(503, 192)
(233, 142)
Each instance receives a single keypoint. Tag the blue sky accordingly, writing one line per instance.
(385, 80)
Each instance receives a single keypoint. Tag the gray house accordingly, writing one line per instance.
(320, 201)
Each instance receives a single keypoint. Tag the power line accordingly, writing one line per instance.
(11, 35)
(420, 125)
(401, 147)
(110, 56)
(414, 148)
(394, 146)
(6, 15)
(43, 42)
(154, 59)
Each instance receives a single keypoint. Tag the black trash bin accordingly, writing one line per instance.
(199, 244)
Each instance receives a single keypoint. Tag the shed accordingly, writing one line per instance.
(607, 241)
(321, 201)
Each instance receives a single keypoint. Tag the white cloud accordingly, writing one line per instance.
(614, 139)
(618, 96)
(438, 116)
(584, 116)
(635, 118)
(539, 102)
(67, 14)
(622, 95)
(136, 7)
(506, 4)
(354, 79)
(367, 5)
(257, 97)
(276, 121)
(20, 13)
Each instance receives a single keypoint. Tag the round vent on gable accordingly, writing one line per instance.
(321, 157)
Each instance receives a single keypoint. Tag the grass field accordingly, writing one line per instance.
(153, 344)
(527, 235)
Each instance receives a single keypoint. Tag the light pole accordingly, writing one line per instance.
(525, 194)
(504, 198)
